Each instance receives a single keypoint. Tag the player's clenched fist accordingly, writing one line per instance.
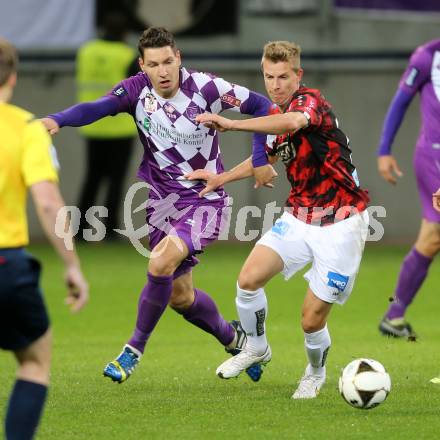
(51, 126)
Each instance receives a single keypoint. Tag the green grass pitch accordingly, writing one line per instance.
(174, 393)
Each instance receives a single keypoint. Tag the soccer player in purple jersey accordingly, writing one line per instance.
(164, 100)
(421, 76)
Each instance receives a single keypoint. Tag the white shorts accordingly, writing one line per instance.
(335, 252)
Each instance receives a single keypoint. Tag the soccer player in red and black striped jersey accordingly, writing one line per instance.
(325, 222)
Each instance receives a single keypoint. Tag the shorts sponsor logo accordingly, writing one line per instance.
(231, 100)
(280, 228)
(120, 91)
(411, 78)
(337, 281)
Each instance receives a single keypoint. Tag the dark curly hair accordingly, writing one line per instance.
(156, 37)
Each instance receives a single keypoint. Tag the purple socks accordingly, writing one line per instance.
(154, 298)
(204, 314)
(152, 303)
(412, 274)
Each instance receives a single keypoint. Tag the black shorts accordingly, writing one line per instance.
(23, 315)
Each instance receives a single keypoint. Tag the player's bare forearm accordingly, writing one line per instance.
(239, 172)
(273, 124)
(245, 169)
(48, 201)
(214, 181)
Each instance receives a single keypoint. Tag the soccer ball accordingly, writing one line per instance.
(364, 383)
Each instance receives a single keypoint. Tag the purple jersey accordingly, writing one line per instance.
(174, 144)
(423, 75)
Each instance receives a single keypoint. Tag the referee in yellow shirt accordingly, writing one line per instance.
(27, 161)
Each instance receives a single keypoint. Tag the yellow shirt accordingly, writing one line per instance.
(26, 158)
(100, 66)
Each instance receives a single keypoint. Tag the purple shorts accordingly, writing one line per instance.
(427, 171)
(198, 223)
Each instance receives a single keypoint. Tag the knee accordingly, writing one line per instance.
(248, 280)
(34, 360)
(34, 371)
(312, 322)
(430, 244)
(161, 266)
(432, 247)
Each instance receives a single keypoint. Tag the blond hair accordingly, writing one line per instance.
(283, 51)
(8, 60)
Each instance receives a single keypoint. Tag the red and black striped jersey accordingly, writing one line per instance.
(324, 182)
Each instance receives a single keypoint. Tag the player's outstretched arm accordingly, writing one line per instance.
(272, 124)
(239, 172)
(388, 168)
(48, 201)
(215, 121)
(436, 200)
(82, 114)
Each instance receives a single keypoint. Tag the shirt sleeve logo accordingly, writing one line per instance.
(120, 91)
(231, 100)
(411, 78)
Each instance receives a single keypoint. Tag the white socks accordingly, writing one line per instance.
(252, 310)
(317, 345)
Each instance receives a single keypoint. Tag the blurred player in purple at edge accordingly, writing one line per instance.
(164, 100)
(422, 75)
(436, 206)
